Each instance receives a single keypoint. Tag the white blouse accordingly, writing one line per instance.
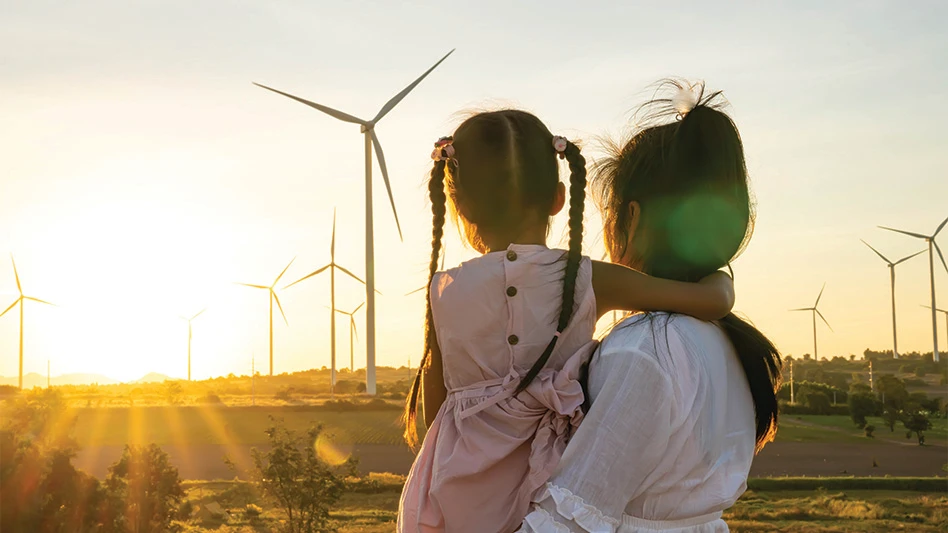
(668, 442)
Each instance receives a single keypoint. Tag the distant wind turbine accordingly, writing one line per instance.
(444, 255)
(22, 301)
(815, 312)
(188, 320)
(273, 297)
(930, 239)
(367, 127)
(940, 311)
(332, 266)
(352, 334)
(895, 341)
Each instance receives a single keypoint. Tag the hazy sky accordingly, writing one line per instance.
(141, 173)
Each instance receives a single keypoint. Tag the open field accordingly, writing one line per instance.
(759, 510)
(198, 437)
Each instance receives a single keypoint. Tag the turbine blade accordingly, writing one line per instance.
(254, 286)
(908, 257)
(356, 310)
(353, 276)
(398, 97)
(940, 226)
(17, 274)
(884, 258)
(820, 296)
(11, 306)
(940, 256)
(199, 314)
(355, 331)
(277, 298)
(388, 185)
(284, 272)
(345, 117)
(824, 320)
(909, 233)
(307, 276)
(419, 289)
(332, 245)
(38, 300)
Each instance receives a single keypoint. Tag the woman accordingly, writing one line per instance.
(679, 406)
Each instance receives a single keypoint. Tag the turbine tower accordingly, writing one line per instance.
(895, 341)
(22, 301)
(940, 311)
(273, 297)
(352, 333)
(332, 266)
(367, 127)
(815, 312)
(930, 239)
(188, 320)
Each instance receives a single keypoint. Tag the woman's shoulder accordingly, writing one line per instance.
(664, 337)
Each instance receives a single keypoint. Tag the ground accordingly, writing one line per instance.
(838, 511)
(198, 437)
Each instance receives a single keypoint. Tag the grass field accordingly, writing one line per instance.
(838, 511)
(837, 428)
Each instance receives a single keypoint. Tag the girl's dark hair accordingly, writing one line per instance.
(687, 172)
(502, 177)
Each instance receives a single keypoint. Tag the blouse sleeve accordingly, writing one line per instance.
(618, 445)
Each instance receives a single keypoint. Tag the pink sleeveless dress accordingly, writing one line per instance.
(488, 452)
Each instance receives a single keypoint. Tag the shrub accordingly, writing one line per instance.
(921, 371)
(861, 405)
(211, 398)
(143, 490)
(869, 429)
(292, 475)
(252, 512)
(819, 402)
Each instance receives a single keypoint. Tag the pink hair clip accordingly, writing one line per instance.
(560, 144)
(443, 149)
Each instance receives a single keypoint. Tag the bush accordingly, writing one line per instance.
(252, 512)
(921, 371)
(292, 475)
(143, 490)
(869, 429)
(211, 398)
(819, 402)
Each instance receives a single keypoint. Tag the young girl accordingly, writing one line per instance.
(507, 333)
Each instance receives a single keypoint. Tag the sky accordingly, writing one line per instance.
(142, 175)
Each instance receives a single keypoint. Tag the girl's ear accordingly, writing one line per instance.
(559, 200)
(635, 212)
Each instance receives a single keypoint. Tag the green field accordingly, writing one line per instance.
(112, 426)
(840, 428)
(839, 511)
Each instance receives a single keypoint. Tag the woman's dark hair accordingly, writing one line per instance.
(686, 171)
(502, 176)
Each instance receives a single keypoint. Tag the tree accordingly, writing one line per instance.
(890, 416)
(292, 475)
(869, 429)
(861, 405)
(173, 392)
(892, 390)
(917, 422)
(40, 490)
(143, 491)
(818, 401)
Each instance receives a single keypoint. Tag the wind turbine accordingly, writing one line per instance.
(352, 333)
(332, 266)
(273, 297)
(940, 311)
(367, 127)
(895, 342)
(188, 320)
(444, 255)
(22, 301)
(816, 312)
(930, 239)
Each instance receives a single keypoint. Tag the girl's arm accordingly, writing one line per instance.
(433, 391)
(620, 288)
